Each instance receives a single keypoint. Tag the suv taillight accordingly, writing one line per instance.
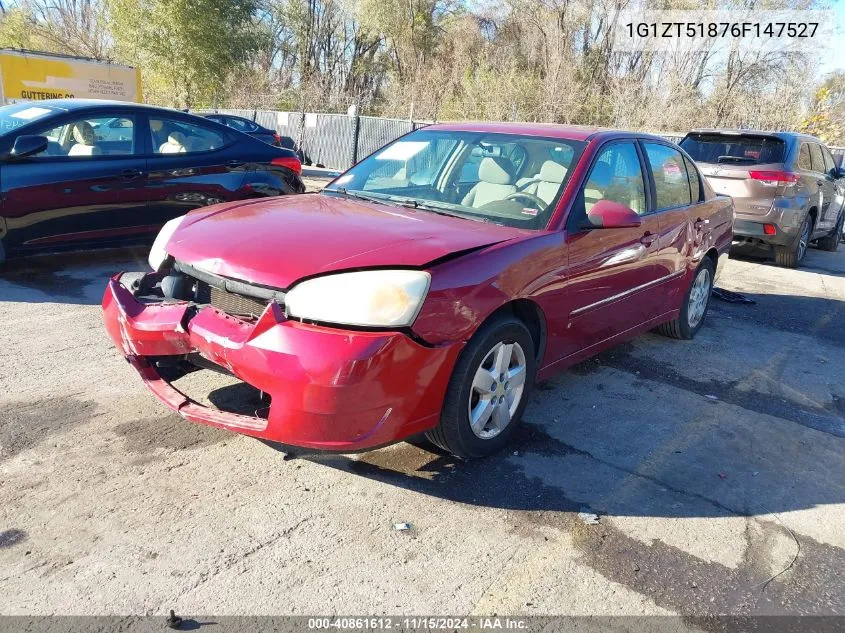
(291, 162)
(775, 178)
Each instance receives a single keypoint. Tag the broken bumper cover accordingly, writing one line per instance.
(330, 389)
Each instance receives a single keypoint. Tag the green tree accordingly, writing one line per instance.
(16, 28)
(186, 48)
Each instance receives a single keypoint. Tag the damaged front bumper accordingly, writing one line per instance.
(329, 388)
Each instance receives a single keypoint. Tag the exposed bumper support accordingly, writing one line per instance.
(330, 389)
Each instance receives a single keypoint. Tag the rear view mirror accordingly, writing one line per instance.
(27, 145)
(607, 214)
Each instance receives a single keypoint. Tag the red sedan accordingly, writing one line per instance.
(429, 287)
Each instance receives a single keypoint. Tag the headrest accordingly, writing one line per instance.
(601, 176)
(176, 138)
(552, 172)
(496, 171)
(83, 133)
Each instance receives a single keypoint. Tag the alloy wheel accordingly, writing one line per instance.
(698, 297)
(803, 240)
(497, 389)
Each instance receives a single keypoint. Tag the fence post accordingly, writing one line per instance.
(300, 141)
(356, 130)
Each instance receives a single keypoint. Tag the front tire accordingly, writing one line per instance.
(488, 391)
(696, 303)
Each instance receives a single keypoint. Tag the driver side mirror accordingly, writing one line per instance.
(838, 171)
(27, 145)
(607, 214)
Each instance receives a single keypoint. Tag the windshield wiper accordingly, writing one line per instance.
(734, 159)
(440, 208)
(360, 195)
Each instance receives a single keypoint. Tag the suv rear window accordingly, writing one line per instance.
(734, 149)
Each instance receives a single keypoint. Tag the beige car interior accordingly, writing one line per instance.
(84, 140)
(546, 184)
(495, 183)
(175, 144)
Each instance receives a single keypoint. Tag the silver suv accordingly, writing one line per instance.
(787, 188)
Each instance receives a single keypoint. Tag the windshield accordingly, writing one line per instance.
(14, 116)
(734, 149)
(507, 179)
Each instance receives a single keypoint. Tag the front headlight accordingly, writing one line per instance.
(158, 253)
(377, 298)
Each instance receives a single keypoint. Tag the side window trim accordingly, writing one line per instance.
(642, 142)
(648, 181)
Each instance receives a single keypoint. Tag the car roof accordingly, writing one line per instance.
(548, 130)
(225, 114)
(784, 136)
(71, 105)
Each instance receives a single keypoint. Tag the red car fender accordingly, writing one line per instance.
(466, 291)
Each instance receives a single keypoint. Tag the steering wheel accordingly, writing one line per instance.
(530, 197)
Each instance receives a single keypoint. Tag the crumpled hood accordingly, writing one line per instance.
(277, 241)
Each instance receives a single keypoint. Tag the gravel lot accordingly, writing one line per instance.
(710, 463)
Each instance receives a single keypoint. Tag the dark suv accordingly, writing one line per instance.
(787, 188)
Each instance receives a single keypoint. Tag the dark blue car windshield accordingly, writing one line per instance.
(19, 114)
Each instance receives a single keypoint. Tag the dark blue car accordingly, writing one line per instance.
(84, 174)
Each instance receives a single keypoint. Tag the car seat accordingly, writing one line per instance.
(496, 183)
(548, 181)
(175, 144)
(84, 140)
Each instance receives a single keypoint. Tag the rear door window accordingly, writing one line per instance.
(170, 136)
(828, 160)
(671, 182)
(694, 181)
(804, 158)
(734, 149)
(818, 159)
(240, 124)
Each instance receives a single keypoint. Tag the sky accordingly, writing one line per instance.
(836, 54)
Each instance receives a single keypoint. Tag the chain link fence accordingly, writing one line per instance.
(339, 141)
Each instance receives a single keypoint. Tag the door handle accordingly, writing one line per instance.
(648, 239)
(700, 224)
(129, 174)
(235, 163)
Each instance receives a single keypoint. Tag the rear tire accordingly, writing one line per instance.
(830, 242)
(696, 303)
(476, 390)
(790, 256)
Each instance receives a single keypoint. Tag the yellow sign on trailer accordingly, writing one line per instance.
(34, 76)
